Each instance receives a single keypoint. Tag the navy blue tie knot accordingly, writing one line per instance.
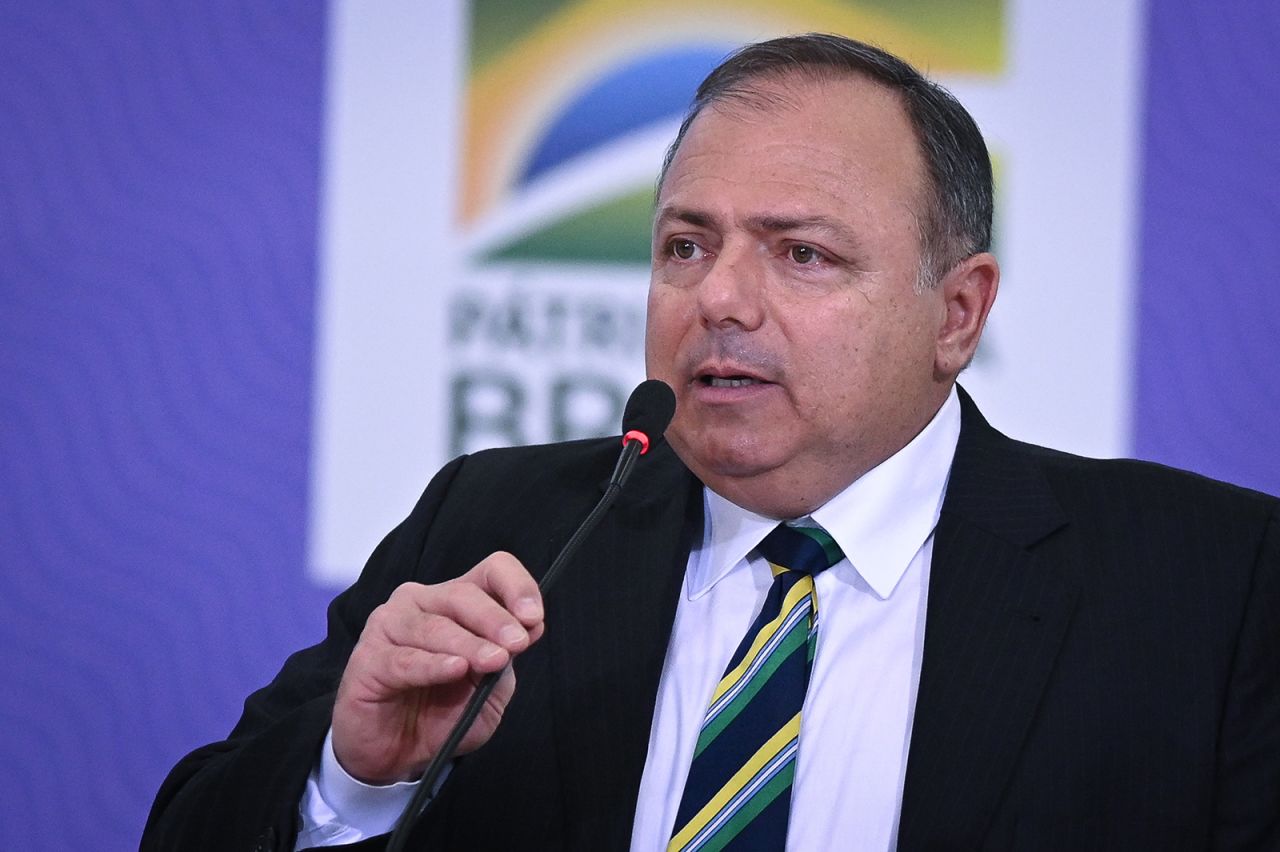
(804, 550)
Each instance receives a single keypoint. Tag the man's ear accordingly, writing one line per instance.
(968, 291)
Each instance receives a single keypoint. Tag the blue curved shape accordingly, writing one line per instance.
(653, 87)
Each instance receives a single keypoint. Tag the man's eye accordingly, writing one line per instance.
(684, 249)
(804, 254)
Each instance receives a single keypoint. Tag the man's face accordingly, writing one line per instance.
(782, 304)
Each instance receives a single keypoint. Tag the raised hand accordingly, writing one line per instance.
(417, 663)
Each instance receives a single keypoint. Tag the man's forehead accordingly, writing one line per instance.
(807, 105)
(803, 89)
(833, 121)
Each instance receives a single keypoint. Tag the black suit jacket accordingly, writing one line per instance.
(1101, 664)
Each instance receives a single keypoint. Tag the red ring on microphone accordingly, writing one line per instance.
(637, 435)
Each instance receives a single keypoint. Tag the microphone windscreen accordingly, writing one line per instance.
(649, 409)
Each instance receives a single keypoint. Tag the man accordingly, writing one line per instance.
(1017, 649)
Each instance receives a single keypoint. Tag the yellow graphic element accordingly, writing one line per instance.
(511, 98)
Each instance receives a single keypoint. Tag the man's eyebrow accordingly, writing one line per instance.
(697, 218)
(776, 224)
(770, 224)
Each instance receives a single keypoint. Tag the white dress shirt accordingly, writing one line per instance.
(856, 722)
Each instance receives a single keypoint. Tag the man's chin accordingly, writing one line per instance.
(739, 459)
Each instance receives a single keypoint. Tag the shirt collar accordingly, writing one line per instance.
(879, 521)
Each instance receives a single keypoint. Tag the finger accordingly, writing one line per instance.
(402, 667)
(441, 634)
(504, 688)
(407, 618)
(491, 714)
(507, 580)
(474, 609)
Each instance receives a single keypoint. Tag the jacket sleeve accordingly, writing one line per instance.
(242, 793)
(1247, 800)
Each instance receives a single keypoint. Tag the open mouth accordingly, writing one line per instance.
(729, 381)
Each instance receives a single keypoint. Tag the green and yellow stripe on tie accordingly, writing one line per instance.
(761, 779)
(738, 792)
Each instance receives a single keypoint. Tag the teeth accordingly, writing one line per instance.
(717, 382)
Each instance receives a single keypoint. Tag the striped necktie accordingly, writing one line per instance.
(738, 794)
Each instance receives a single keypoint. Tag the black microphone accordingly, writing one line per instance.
(649, 411)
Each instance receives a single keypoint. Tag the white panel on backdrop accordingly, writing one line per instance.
(393, 93)
(422, 351)
(1064, 125)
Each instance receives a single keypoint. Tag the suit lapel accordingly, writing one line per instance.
(609, 644)
(998, 610)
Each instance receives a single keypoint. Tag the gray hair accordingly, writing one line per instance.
(955, 222)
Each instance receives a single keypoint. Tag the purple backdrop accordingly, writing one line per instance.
(158, 193)
(1208, 367)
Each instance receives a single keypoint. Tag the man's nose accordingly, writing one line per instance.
(731, 292)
